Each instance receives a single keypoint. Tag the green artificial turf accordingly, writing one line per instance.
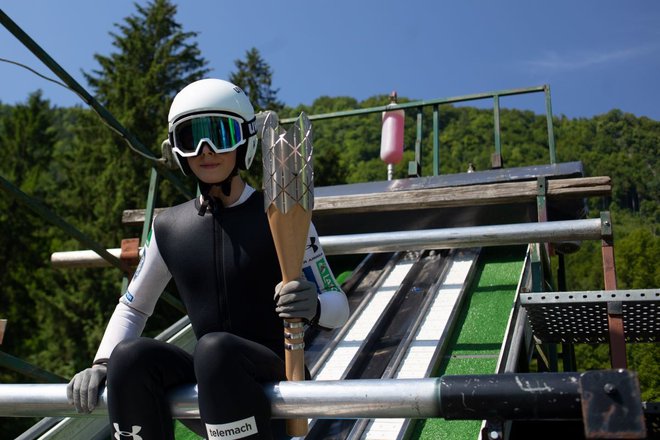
(183, 433)
(478, 335)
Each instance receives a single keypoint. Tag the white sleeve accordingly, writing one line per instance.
(125, 323)
(150, 279)
(138, 303)
(334, 305)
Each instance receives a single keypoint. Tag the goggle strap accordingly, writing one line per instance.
(250, 127)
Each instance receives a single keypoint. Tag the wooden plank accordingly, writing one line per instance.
(443, 197)
(490, 194)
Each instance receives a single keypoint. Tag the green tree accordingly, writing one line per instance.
(28, 139)
(255, 77)
(86, 173)
(101, 177)
(155, 60)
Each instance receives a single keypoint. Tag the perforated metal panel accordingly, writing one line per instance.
(582, 316)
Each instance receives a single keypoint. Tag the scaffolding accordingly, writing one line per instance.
(413, 228)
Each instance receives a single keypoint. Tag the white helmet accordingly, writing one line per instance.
(215, 112)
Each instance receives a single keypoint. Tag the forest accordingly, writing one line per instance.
(77, 167)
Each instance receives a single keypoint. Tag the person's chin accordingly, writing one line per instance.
(211, 178)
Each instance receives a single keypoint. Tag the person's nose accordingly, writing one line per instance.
(206, 148)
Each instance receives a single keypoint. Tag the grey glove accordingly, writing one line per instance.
(83, 390)
(297, 299)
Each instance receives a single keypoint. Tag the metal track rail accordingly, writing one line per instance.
(427, 339)
(360, 289)
(387, 335)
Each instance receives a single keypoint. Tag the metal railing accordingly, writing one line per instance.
(414, 168)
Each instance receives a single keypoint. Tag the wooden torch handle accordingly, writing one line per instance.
(290, 234)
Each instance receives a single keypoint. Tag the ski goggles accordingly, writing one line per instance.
(224, 133)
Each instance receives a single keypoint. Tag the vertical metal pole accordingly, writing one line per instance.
(415, 168)
(551, 132)
(146, 226)
(542, 215)
(496, 159)
(436, 141)
(614, 308)
(541, 191)
(418, 142)
(542, 206)
(567, 348)
(151, 205)
(536, 266)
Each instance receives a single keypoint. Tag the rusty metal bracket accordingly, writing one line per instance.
(130, 252)
(615, 320)
(611, 405)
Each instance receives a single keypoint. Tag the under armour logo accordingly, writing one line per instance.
(312, 244)
(126, 434)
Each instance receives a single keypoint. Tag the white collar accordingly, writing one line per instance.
(247, 192)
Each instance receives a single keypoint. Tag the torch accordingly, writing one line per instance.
(289, 199)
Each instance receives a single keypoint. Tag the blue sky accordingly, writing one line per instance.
(595, 55)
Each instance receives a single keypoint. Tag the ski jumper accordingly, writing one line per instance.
(225, 268)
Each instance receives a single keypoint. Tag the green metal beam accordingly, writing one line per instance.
(151, 205)
(25, 368)
(45, 213)
(90, 100)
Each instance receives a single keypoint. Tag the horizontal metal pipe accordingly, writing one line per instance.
(81, 259)
(410, 398)
(448, 238)
(509, 396)
(454, 238)
(530, 396)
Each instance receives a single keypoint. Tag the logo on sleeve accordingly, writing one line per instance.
(312, 244)
(329, 282)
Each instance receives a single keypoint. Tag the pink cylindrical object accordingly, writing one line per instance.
(391, 140)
